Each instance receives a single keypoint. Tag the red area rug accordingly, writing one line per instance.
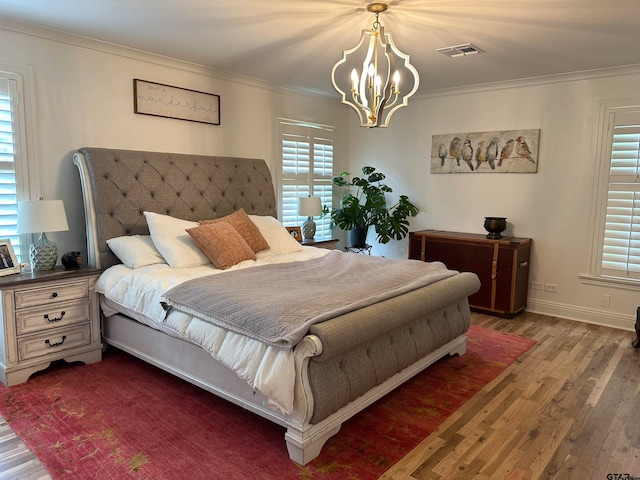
(123, 419)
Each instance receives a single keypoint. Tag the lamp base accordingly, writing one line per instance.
(43, 254)
(309, 229)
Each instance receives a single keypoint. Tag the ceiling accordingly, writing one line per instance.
(295, 43)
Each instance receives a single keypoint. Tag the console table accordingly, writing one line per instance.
(502, 265)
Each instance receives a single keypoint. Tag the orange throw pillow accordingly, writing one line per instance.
(222, 243)
(245, 227)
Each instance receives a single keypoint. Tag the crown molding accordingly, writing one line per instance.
(148, 57)
(535, 81)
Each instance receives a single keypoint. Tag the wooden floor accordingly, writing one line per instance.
(16, 460)
(569, 408)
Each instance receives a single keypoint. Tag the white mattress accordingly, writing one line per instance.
(137, 293)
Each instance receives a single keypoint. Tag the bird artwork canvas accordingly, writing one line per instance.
(506, 151)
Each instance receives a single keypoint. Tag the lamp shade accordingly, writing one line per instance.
(35, 216)
(309, 206)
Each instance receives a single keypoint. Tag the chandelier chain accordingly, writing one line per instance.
(376, 23)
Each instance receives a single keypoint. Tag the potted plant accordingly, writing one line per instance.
(367, 206)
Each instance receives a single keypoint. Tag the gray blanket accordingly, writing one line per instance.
(277, 303)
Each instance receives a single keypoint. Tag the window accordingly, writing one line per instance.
(13, 161)
(8, 190)
(621, 242)
(306, 169)
(615, 246)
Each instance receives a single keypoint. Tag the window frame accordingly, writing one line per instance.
(23, 113)
(287, 126)
(596, 223)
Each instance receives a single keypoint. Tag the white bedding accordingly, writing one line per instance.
(137, 293)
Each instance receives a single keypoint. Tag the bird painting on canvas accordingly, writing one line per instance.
(467, 153)
(442, 153)
(522, 149)
(492, 152)
(506, 151)
(481, 154)
(497, 151)
(455, 149)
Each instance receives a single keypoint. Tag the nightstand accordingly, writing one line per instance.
(328, 243)
(48, 315)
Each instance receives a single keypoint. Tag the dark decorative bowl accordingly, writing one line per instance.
(495, 226)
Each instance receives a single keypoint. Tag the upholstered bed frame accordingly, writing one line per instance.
(342, 365)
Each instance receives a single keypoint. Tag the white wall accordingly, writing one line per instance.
(551, 206)
(84, 97)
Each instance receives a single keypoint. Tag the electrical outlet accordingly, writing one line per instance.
(537, 286)
(551, 287)
(606, 301)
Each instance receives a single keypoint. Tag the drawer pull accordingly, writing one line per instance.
(54, 294)
(52, 345)
(523, 264)
(57, 319)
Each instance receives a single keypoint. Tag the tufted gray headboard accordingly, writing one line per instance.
(119, 185)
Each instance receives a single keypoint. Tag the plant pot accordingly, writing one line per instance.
(358, 236)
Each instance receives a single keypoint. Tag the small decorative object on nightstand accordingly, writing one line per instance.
(309, 207)
(40, 216)
(8, 262)
(71, 260)
(48, 315)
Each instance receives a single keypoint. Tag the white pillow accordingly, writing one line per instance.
(173, 242)
(135, 250)
(276, 235)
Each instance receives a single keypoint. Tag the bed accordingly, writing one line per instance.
(337, 366)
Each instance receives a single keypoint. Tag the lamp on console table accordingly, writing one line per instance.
(40, 216)
(309, 207)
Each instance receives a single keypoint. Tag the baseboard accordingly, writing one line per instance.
(587, 315)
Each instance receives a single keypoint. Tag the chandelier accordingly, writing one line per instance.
(373, 86)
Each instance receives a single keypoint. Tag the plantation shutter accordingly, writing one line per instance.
(307, 170)
(8, 143)
(621, 245)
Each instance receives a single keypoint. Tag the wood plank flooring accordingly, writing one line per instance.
(16, 460)
(569, 409)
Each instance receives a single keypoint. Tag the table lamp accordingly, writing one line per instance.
(309, 207)
(42, 216)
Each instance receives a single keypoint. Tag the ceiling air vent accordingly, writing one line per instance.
(460, 50)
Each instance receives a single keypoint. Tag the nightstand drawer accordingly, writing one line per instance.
(57, 340)
(57, 315)
(55, 293)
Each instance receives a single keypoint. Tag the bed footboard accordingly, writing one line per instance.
(349, 362)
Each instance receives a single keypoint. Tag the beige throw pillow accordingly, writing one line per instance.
(222, 243)
(245, 227)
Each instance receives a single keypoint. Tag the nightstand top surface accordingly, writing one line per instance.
(319, 240)
(58, 273)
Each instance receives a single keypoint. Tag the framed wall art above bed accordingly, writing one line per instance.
(159, 100)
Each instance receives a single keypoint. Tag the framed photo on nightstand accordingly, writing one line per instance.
(8, 261)
(295, 232)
